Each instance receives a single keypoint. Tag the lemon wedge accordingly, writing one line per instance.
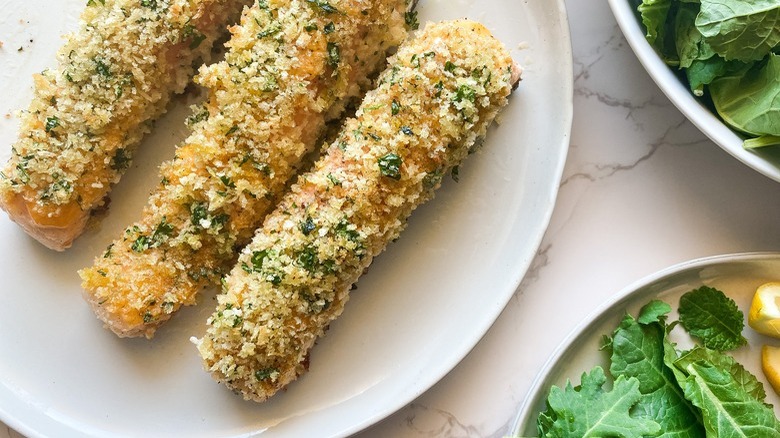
(770, 363)
(764, 314)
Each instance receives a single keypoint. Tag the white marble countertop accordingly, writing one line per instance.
(642, 189)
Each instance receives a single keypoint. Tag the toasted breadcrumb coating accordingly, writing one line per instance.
(292, 65)
(116, 74)
(439, 95)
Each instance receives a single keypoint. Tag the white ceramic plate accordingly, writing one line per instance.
(422, 307)
(737, 275)
(765, 160)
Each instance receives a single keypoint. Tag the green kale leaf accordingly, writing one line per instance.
(730, 398)
(709, 315)
(703, 71)
(749, 99)
(588, 411)
(654, 312)
(746, 381)
(690, 43)
(639, 350)
(745, 30)
(658, 19)
(726, 49)
(654, 13)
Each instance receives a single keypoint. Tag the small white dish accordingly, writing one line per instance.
(737, 275)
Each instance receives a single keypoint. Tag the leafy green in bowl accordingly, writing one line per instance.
(729, 52)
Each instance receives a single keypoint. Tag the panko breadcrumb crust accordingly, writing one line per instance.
(115, 75)
(292, 66)
(431, 106)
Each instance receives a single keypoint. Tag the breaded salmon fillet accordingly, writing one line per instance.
(437, 98)
(116, 74)
(292, 65)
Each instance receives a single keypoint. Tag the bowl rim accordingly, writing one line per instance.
(679, 94)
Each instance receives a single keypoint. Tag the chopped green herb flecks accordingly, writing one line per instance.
(198, 213)
(102, 68)
(344, 229)
(274, 278)
(270, 30)
(466, 93)
(395, 107)
(432, 179)
(161, 233)
(335, 181)
(258, 259)
(334, 54)
(121, 160)
(227, 181)
(108, 251)
(266, 373)
(59, 187)
(124, 81)
(411, 20)
(415, 61)
(140, 244)
(307, 226)
(51, 123)
(259, 264)
(390, 166)
(202, 218)
(323, 6)
(151, 4)
(307, 258)
(439, 87)
(200, 115)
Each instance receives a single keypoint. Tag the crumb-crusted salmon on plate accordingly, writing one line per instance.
(438, 96)
(115, 75)
(291, 66)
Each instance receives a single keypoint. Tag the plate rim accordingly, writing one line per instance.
(527, 406)
(562, 16)
(663, 76)
(557, 14)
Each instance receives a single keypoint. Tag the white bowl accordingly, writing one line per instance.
(766, 161)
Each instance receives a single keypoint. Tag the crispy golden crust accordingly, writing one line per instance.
(292, 65)
(439, 95)
(116, 74)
